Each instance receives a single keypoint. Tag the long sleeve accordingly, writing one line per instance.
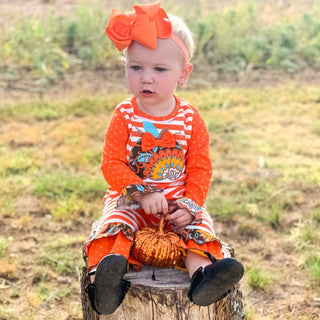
(114, 164)
(198, 163)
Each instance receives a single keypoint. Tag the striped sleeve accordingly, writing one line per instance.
(114, 163)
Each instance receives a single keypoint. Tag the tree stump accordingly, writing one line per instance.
(161, 294)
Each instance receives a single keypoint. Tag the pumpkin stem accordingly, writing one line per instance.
(161, 225)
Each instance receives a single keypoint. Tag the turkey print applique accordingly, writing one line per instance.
(157, 156)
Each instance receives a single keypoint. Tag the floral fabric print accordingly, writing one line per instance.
(189, 204)
(144, 154)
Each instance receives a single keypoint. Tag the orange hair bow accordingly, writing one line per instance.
(145, 25)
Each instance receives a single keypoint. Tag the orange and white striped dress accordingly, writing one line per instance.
(143, 153)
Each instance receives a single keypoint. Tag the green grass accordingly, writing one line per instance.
(4, 245)
(258, 278)
(306, 234)
(231, 38)
(63, 255)
(52, 110)
(48, 293)
(54, 163)
(63, 185)
(312, 265)
(306, 238)
(20, 162)
(70, 209)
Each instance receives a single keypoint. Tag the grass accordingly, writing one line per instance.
(258, 279)
(53, 110)
(265, 190)
(232, 38)
(63, 185)
(7, 313)
(62, 255)
(306, 238)
(4, 245)
(51, 189)
(312, 265)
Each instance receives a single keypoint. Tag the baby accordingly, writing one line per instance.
(155, 161)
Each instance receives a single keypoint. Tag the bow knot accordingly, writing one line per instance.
(149, 141)
(145, 25)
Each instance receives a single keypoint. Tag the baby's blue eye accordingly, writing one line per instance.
(136, 68)
(160, 69)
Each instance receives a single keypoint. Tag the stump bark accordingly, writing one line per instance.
(161, 294)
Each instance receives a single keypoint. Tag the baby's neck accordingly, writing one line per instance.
(159, 110)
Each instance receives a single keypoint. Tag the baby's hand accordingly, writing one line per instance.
(180, 218)
(153, 203)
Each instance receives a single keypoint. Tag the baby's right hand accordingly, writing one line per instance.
(153, 203)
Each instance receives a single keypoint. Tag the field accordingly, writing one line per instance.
(265, 195)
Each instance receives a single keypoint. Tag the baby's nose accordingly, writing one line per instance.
(147, 77)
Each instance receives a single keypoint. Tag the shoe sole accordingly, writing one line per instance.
(109, 283)
(225, 274)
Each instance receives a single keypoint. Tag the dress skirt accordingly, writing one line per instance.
(114, 233)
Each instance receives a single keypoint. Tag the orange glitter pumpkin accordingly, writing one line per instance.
(157, 247)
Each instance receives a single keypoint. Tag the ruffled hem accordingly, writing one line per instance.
(120, 243)
(190, 205)
(98, 248)
(212, 249)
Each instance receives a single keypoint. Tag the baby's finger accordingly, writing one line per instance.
(155, 208)
(164, 207)
(173, 217)
(180, 222)
(147, 209)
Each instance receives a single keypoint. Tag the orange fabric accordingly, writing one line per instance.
(101, 247)
(114, 163)
(145, 25)
(120, 244)
(212, 247)
(198, 163)
(127, 129)
(149, 141)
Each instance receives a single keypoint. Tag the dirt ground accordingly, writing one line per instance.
(293, 297)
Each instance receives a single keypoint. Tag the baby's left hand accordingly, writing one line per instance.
(180, 218)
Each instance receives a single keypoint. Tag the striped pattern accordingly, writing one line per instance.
(125, 130)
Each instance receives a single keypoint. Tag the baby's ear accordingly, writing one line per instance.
(123, 60)
(185, 73)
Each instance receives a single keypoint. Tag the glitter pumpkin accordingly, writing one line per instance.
(157, 247)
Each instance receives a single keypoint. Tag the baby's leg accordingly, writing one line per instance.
(212, 276)
(107, 258)
(211, 281)
(194, 261)
(108, 289)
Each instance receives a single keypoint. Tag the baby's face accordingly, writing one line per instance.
(153, 75)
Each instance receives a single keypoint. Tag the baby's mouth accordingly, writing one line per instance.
(147, 93)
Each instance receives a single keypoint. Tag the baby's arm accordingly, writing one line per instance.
(198, 170)
(120, 177)
(114, 163)
(198, 163)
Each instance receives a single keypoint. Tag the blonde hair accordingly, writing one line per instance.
(180, 29)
